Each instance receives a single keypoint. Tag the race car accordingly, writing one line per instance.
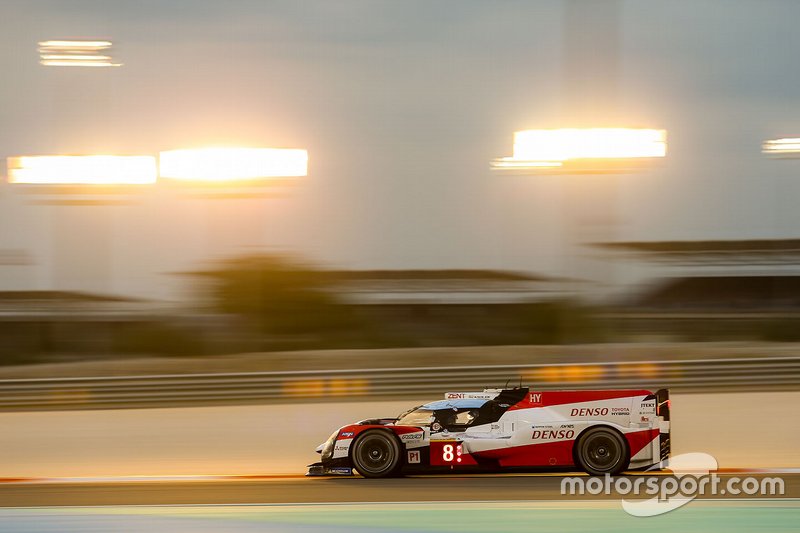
(597, 431)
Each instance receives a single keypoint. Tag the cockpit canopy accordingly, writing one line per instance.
(458, 414)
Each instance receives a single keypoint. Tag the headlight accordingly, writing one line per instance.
(327, 449)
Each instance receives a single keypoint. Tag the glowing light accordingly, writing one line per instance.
(789, 147)
(556, 148)
(74, 57)
(82, 170)
(233, 164)
(58, 63)
(90, 45)
(596, 143)
(76, 54)
(511, 163)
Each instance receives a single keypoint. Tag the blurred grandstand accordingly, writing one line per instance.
(691, 291)
(722, 289)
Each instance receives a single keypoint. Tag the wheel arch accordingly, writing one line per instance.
(384, 430)
(606, 425)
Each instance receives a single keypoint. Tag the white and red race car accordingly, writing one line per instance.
(598, 431)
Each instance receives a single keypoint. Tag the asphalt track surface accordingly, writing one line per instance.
(303, 490)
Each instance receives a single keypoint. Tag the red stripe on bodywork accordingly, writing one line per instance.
(557, 453)
(355, 429)
(639, 439)
(437, 454)
(550, 398)
(544, 454)
(402, 430)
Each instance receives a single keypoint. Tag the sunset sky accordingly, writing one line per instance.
(403, 104)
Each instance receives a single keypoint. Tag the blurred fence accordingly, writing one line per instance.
(326, 385)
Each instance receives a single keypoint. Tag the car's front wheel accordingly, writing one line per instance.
(602, 451)
(376, 453)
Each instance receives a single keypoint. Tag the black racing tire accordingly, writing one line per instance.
(376, 453)
(602, 450)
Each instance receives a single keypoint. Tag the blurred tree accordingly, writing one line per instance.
(560, 322)
(280, 297)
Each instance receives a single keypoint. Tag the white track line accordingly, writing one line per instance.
(586, 503)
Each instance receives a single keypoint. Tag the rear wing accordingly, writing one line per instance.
(663, 413)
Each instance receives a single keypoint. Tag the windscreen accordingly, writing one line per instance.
(416, 417)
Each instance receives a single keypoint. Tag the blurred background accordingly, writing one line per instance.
(270, 218)
(410, 225)
(598, 192)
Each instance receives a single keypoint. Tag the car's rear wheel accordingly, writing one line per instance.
(602, 451)
(376, 453)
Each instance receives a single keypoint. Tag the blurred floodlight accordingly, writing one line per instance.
(789, 147)
(73, 63)
(64, 57)
(76, 54)
(557, 148)
(233, 164)
(85, 45)
(596, 143)
(82, 170)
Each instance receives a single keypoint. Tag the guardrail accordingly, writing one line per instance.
(262, 387)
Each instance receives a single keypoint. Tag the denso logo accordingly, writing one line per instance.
(553, 434)
(593, 411)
